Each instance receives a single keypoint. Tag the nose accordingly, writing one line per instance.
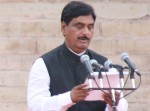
(86, 31)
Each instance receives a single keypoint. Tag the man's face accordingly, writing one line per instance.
(78, 33)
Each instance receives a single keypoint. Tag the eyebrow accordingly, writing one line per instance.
(80, 23)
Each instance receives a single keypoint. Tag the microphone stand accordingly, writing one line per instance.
(113, 99)
(122, 84)
(100, 77)
(121, 80)
(90, 77)
(120, 70)
(132, 77)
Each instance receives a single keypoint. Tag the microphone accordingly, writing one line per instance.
(98, 68)
(125, 58)
(86, 61)
(108, 64)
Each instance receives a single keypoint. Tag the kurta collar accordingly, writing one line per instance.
(72, 54)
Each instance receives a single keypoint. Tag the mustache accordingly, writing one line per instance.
(83, 38)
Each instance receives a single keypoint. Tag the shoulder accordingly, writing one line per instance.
(100, 58)
(52, 52)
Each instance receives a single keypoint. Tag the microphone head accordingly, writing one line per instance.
(93, 61)
(84, 58)
(107, 64)
(124, 56)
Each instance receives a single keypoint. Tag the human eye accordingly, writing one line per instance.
(79, 26)
(91, 27)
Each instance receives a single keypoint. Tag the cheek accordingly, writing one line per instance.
(70, 37)
(73, 34)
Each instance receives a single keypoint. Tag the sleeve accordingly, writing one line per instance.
(39, 97)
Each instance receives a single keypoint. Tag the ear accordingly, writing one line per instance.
(63, 26)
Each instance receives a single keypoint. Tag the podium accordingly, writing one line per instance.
(110, 81)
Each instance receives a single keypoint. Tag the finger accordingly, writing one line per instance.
(79, 91)
(106, 95)
(82, 86)
(108, 101)
(83, 94)
(80, 97)
(117, 95)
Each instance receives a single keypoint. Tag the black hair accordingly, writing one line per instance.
(75, 9)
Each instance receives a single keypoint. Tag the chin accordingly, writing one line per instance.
(84, 47)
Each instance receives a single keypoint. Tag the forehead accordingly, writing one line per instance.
(88, 19)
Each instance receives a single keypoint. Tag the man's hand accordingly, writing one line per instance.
(108, 98)
(79, 93)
